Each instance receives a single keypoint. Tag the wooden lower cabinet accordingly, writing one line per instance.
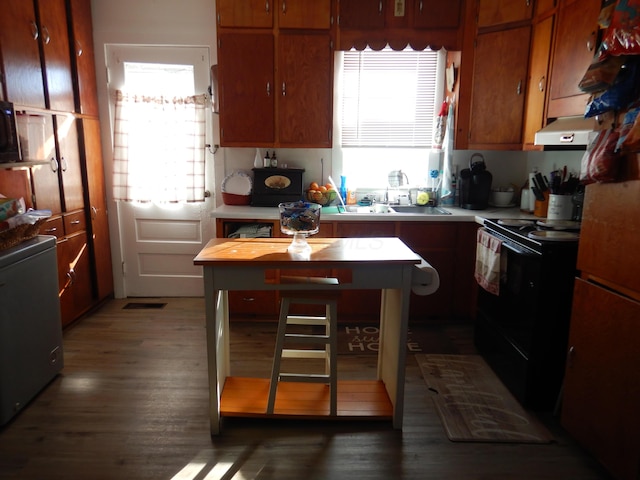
(602, 381)
(74, 277)
(448, 246)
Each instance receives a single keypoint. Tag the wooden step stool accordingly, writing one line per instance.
(326, 343)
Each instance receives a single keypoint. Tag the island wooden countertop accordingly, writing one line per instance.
(334, 252)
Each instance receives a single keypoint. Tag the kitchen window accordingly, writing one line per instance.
(386, 105)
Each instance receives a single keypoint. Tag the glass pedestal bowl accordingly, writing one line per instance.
(299, 219)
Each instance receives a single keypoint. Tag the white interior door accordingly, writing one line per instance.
(158, 242)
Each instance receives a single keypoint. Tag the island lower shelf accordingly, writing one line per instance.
(357, 399)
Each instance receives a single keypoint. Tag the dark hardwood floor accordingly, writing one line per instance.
(131, 403)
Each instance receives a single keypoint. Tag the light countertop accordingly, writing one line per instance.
(457, 214)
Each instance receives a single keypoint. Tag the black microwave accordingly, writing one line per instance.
(9, 147)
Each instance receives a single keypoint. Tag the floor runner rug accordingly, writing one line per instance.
(364, 339)
(474, 405)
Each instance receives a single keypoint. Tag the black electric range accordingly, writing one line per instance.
(523, 331)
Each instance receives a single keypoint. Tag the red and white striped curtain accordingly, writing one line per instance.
(159, 149)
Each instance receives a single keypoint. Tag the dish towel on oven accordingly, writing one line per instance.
(490, 264)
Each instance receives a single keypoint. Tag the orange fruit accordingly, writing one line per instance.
(313, 186)
(322, 188)
(329, 187)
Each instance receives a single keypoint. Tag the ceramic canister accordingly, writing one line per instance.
(560, 207)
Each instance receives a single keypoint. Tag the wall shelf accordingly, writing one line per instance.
(23, 165)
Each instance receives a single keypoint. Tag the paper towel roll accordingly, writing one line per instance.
(425, 279)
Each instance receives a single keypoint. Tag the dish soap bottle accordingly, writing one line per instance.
(274, 160)
(266, 160)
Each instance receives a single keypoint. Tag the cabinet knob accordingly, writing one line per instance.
(268, 89)
(71, 275)
(284, 89)
(541, 83)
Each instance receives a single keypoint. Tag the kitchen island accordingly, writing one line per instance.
(383, 264)
(447, 242)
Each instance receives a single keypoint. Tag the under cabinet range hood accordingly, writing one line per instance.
(567, 132)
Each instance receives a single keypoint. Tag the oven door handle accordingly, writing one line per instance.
(515, 248)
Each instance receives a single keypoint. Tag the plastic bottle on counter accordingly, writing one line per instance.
(343, 188)
(257, 161)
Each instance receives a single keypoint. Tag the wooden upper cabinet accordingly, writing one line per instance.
(54, 39)
(101, 248)
(86, 100)
(576, 43)
(499, 83)
(544, 6)
(361, 14)
(304, 89)
(70, 166)
(304, 14)
(20, 54)
(245, 13)
(436, 13)
(538, 79)
(246, 88)
(497, 12)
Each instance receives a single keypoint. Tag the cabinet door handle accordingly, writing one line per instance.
(519, 88)
(79, 49)
(571, 355)
(541, 83)
(421, 5)
(284, 89)
(54, 164)
(94, 212)
(75, 222)
(51, 230)
(380, 7)
(63, 164)
(71, 275)
(528, 2)
(34, 30)
(46, 38)
(268, 89)
(284, 6)
(591, 42)
(267, 7)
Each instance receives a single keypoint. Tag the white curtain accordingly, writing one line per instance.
(159, 149)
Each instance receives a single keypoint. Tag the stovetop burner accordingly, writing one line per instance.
(536, 235)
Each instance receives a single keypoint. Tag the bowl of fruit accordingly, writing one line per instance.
(321, 194)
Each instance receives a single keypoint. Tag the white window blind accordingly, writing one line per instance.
(388, 98)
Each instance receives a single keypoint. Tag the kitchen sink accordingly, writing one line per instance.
(419, 209)
(383, 209)
(364, 209)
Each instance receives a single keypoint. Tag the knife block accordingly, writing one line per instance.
(541, 207)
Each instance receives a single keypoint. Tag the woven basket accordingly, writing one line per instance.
(16, 235)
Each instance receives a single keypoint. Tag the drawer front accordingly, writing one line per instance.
(74, 222)
(53, 226)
